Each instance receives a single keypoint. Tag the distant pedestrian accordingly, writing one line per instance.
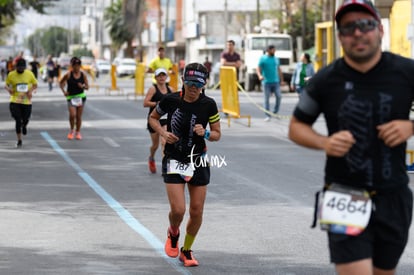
(161, 61)
(3, 69)
(20, 83)
(34, 66)
(50, 67)
(208, 66)
(20, 55)
(9, 65)
(303, 72)
(269, 72)
(231, 58)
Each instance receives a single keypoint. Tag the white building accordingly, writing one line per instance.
(208, 24)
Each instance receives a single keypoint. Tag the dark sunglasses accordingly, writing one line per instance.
(364, 25)
(194, 83)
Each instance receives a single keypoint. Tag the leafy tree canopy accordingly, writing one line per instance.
(10, 8)
(117, 25)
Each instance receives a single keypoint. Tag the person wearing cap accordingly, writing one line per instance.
(154, 94)
(192, 119)
(21, 83)
(269, 72)
(365, 97)
(161, 61)
(73, 85)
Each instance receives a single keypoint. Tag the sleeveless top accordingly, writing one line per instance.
(158, 96)
(73, 87)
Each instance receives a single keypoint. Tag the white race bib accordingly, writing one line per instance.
(183, 169)
(76, 101)
(345, 211)
(22, 88)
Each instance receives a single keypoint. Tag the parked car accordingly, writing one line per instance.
(64, 62)
(102, 66)
(126, 66)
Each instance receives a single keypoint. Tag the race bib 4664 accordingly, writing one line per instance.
(345, 211)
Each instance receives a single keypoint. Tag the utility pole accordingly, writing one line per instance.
(167, 15)
(304, 19)
(225, 21)
(258, 12)
(159, 23)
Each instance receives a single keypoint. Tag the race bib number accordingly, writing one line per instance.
(344, 210)
(183, 169)
(76, 101)
(22, 88)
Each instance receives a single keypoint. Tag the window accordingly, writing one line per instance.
(261, 43)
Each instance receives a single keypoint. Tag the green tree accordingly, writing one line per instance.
(57, 41)
(10, 8)
(118, 27)
(33, 43)
(82, 52)
(297, 27)
(133, 11)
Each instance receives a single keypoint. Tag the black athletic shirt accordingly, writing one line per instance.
(157, 96)
(359, 102)
(181, 118)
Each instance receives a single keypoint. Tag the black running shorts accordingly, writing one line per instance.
(163, 122)
(71, 105)
(201, 175)
(385, 237)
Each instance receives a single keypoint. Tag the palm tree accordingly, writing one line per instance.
(118, 27)
(133, 15)
(10, 8)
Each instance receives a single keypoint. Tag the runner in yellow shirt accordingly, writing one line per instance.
(20, 83)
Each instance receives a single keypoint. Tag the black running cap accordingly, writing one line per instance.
(357, 5)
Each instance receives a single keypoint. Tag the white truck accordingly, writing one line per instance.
(254, 46)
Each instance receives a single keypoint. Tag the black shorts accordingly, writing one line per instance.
(385, 237)
(50, 74)
(201, 175)
(71, 105)
(163, 122)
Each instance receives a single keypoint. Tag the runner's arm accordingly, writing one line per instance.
(148, 96)
(215, 131)
(154, 121)
(336, 145)
(62, 83)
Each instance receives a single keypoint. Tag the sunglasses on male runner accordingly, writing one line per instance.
(364, 25)
(194, 83)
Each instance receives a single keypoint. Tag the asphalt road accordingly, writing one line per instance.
(92, 207)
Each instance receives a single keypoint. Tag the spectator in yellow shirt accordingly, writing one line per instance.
(160, 62)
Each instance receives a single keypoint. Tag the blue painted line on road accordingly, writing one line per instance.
(124, 214)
